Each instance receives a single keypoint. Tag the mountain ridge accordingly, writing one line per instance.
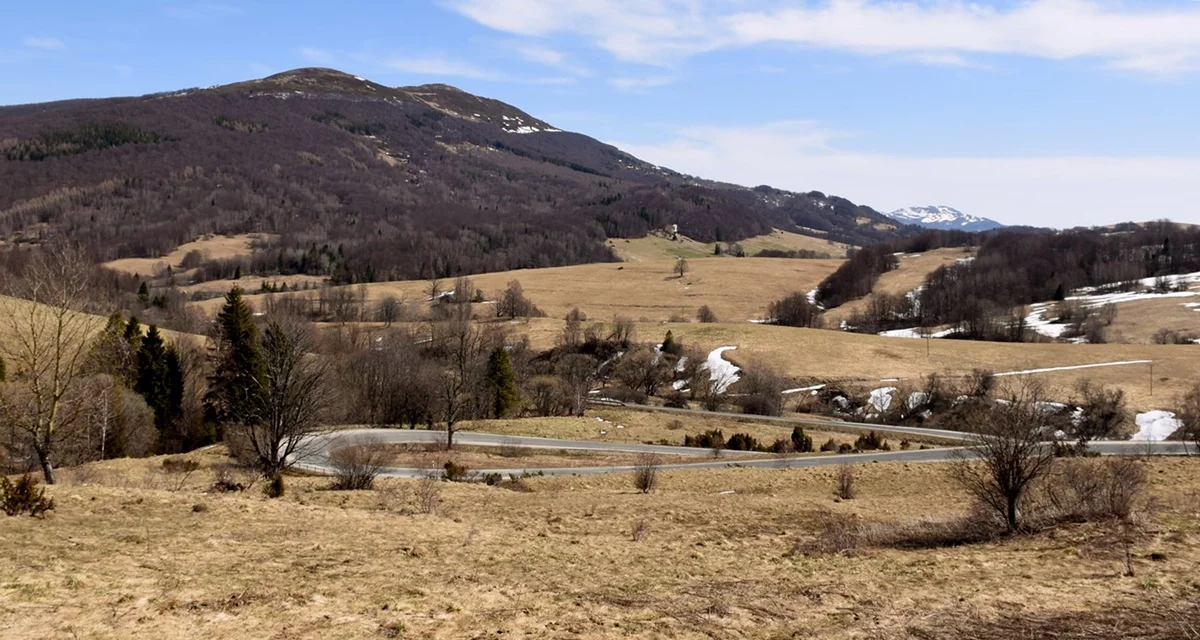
(381, 182)
(943, 217)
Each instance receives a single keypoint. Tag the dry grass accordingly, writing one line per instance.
(653, 247)
(215, 247)
(252, 284)
(1138, 321)
(616, 425)
(13, 306)
(484, 458)
(558, 561)
(913, 270)
(737, 290)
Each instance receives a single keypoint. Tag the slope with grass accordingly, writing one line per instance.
(737, 290)
(212, 247)
(912, 272)
(659, 246)
(709, 554)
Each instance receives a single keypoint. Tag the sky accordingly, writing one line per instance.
(1044, 112)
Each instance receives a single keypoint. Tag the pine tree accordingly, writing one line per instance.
(144, 295)
(237, 387)
(133, 334)
(801, 443)
(503, 383)
(159, 385)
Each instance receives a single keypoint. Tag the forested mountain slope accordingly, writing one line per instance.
(364, 182)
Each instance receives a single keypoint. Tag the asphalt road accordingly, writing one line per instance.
(317, 450)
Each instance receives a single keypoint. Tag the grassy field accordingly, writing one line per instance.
(125, 556)
(17, 307)
(654, 247)
(214, 247)
(483, 458)
(736, 289)
(1138, 321)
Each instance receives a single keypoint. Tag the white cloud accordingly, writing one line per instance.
(1159, 39)
(45, 44)
(549, 57)
(437, 66)
(1059, 191)
(640, 84)
(319, 56)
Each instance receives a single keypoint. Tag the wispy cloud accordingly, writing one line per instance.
(319, 56)
(639, 84)
(45, 44)
(1054, 190)
(1145, 37)
(438, 66)
(549, 57)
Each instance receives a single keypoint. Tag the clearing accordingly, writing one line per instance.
(658, 247)
(213, 247)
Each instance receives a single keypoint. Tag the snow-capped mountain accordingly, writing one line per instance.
(943, 218)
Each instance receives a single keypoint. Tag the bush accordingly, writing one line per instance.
(743, 442)
(712, 439)
(706, 315)
(830, 445)
(24, 496)
(428, 494)
(225, 480)
(871, 442)
(640, 530)
(845, 448)
(274, 488)
(179, 470)
(455, 472)
(676, 400)
(845, 483)
(645, 472)
(675, 425)
(356, 466)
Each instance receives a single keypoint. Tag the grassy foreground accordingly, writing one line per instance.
(126, 556)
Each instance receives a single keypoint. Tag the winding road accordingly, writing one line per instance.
(317, 449)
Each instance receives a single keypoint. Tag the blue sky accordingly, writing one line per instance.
(1048, 112)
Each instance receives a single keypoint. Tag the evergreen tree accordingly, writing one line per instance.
(161, 387)
(503, 383)
(111, 353)
(237, 387)
(144, 295)
(133, 334)
(670, 346)
(801, 443)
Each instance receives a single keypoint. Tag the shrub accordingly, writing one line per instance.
(24, 496)
(179, 470)
(428, 494)
(455, 472)
(844, 487)
(675, 425)
(830, 445)
(845, 448)
(274, 487)
(225, 480)
(356, 466)
(676, 400)
(712, 439)
(645, 472)
(742, 442)
(870, 442)
(640, 530)
(706, 315)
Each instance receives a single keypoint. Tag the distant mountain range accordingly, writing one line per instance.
(940, 217)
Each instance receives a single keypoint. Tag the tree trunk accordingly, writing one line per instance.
(47, 469)
(449, 436)
(1012, 514)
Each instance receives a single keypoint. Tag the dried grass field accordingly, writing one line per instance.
(131, 552)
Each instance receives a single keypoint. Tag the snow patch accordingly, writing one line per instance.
(788, 392)
(1156, 426)
(720, 370)
(881, 398)
(1072, 368)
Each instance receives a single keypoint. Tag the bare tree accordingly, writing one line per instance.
(296, 397)
(681, 267)
(47, 344)
(357, 464)
(1010, 453)
(645, 472)
(1102, 413)
(572, 333)
(513, 304)
(578, 373)
(459, 378)
(706, 315)
(388, 310)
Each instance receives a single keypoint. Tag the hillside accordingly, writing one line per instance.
(363, 182)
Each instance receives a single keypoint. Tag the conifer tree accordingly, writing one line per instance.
(503, 383)
(238, 383)
(161, 387)
(670, 346)
(143, 295)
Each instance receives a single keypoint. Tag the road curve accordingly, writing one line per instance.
(317, 450)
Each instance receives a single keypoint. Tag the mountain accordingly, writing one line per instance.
(361, 181)
(940, 217)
